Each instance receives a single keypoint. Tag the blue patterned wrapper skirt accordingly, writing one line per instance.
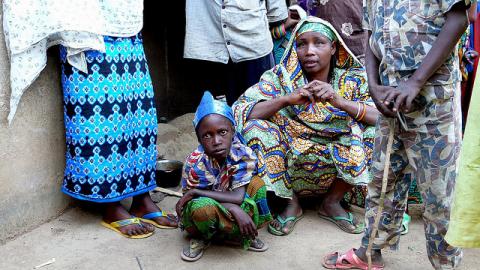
(110, 123)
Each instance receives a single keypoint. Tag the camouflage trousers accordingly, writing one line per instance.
(426, 147)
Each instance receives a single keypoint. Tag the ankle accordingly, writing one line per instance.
(362, 254)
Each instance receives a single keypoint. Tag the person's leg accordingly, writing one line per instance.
(293, 209)
(389, 228)
(114, 212)
(244, 74)
(437, 150)
(256, 68)
(271, 147)
(331, 206)
(396, 197)
(143, 204)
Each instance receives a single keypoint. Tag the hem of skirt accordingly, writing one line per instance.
(279, 193)
(108, 200)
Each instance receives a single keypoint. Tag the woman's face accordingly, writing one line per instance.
(314, 51)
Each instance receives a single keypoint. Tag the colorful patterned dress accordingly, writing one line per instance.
(210, 217)
(110, 123)
(305, 148)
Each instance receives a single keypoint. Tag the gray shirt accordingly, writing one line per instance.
(219, 30)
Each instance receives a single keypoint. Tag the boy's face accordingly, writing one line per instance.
(215, 134)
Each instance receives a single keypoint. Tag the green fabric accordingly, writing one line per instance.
(317, 27)
(464, 224)
(219, 221)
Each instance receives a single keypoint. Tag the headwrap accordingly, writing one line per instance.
(317, 27)
(209, 105)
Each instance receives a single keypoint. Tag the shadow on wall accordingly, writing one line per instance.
(175, 92)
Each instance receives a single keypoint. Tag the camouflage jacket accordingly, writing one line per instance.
(403, 32)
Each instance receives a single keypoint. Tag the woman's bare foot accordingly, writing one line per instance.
(293, 209)
(143, 204)
(115, 212)
(333, 210)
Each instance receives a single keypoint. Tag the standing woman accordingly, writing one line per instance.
(109, 110)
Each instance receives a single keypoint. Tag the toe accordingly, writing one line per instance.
(275, 224)
(331, 259)
(142, 229)
(286, 228)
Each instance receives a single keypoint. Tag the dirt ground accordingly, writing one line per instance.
(77, 241)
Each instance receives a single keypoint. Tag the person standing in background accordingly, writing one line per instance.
(231, 40)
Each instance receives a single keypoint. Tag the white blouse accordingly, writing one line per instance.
(32, 26)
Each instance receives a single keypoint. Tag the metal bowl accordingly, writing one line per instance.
(168, 173)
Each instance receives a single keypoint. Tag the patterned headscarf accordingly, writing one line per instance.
(209, 105)
(317, 27)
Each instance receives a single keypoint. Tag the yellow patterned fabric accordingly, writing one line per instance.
(464, 229)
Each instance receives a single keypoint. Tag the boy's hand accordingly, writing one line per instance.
(402, 96)
(378, 94)
(188, 196)
(245, 223)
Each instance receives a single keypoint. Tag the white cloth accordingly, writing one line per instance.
(32, 26)
(219, 30)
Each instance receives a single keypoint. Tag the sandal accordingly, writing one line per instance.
(148, 218)
(283, 222)
(406, 220)
(258, 245)
(125, 222)
(350, 218)
(348, 260)
(194, 250)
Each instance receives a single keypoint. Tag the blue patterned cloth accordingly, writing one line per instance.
(110, 123)
(202, 172)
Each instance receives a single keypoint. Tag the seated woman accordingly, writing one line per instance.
(222, 196)
(309, 120)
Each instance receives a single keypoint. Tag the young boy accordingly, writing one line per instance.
(414, 79)
(222, 196)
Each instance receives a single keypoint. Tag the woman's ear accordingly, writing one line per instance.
(334, 48)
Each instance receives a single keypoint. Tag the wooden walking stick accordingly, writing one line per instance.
(391, 125)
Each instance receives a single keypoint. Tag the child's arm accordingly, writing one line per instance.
(455, 25)
(244, 221)
(235, 196)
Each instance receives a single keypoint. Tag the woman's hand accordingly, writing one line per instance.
(300, 96)
(245, 223)
(188, 196)
(323, 92)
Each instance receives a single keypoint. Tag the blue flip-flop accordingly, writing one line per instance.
(148, 218)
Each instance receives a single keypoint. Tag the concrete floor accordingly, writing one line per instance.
(77, 241)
